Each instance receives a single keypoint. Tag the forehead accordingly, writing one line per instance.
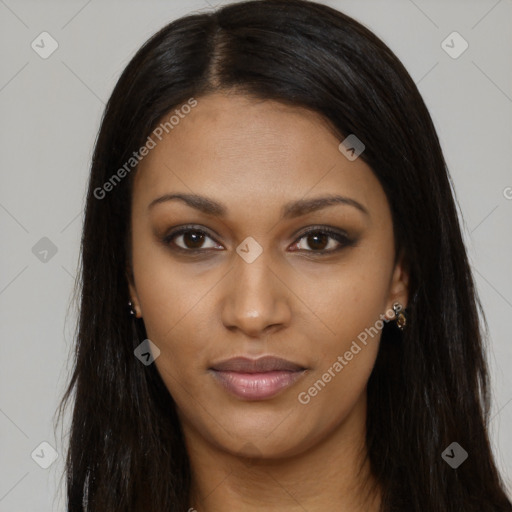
(252, 153)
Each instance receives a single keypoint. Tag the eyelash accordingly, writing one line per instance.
(342, 239)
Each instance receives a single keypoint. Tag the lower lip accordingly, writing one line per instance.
(256, 386)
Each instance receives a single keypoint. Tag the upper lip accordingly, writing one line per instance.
(262, 364)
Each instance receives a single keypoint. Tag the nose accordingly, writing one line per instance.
(256, 298)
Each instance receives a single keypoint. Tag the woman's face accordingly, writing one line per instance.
(246, 280)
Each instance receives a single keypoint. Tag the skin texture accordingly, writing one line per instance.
(255, 156)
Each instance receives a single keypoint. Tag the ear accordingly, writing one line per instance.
(134, 298)
(399, 286)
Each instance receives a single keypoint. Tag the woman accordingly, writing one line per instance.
(269, 197)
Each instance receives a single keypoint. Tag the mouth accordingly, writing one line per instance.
(256, 379)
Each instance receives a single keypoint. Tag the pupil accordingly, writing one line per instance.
(195, 239)
(323, 241)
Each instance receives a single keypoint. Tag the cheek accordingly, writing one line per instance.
(351, 299)
(349, 307)
(168, 290)
(175, 321)
(172, 297)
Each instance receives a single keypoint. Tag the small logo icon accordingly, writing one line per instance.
(249, 249)
(351, 147)
(454, 45)
(454, 455)
(147, 352)
(44, 250)
(44, 45)
(44, 455)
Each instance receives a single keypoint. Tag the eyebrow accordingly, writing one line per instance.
(290, 210)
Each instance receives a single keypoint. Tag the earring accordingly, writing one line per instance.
(400, 318)
(133, 313)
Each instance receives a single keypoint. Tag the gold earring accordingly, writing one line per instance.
(400, 318)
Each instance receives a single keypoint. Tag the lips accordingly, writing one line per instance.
(256, 379)
(261, 365)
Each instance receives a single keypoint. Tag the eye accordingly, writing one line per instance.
(323, 240)
(189, 239)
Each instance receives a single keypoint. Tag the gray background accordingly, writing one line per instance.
(51, 109)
